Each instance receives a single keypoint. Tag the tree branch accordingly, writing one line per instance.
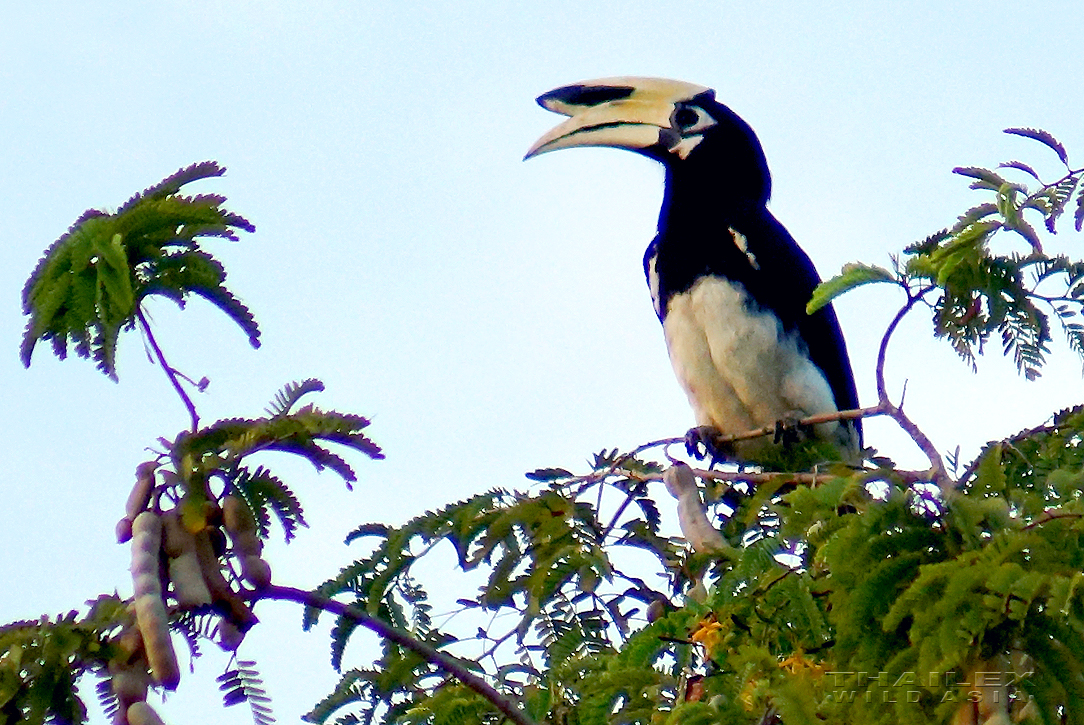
(452, 665)
(938, 474)
(769, 430)
(806, 478)
(170, 372)
(1049, 516)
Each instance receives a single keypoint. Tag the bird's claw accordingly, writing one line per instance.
(697, 437)
(789, 431)
(704, 436)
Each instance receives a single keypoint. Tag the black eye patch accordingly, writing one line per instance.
(586, 95)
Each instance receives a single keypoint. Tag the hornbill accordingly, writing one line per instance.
(728, 282)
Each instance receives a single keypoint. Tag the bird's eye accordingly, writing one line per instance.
(686, 117)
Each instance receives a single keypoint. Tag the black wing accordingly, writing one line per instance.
(783, 281)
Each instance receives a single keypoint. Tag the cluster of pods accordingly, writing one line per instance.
(188, 558)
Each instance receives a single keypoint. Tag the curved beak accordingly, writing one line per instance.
(627, 112)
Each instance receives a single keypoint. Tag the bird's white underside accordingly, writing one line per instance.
(735, 364)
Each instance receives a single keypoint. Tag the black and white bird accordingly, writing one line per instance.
(728, 282)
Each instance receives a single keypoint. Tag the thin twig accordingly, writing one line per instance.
(1049, 516)
(805, 478)
(629, 496)
(767, 430)
(452, 665)
(912, 300)
(490, 652)
(169, 371)
(595, 476)
(937, 465)
(804, 422)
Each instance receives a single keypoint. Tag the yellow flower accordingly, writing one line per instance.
(798, 664)
(708, 634)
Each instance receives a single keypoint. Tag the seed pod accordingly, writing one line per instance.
(256, 571)
(129, 642)
(248, 544)
(189, 588)
(141, 491)
(210, 568)
(656, 610)
(129, 685)
(212, 512)
(124, 530)
(218, 541)
(150, 608)
(221, 594)
(173, 533)
(140, 713)
(679, 480)
(695, 527)
(237, 516)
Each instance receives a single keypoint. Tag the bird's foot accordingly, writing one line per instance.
(704, 436)
(789, 431)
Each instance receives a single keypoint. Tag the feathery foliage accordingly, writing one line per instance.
(41, 661)
(868, 595)
(872, 596)
(219, 452)
(91, 281)
(199, 488)
(243, 684)
(980, 291)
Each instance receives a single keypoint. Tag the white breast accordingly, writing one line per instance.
(738, 369)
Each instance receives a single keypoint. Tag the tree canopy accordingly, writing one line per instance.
(795, 594)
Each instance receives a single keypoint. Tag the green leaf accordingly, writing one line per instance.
(989, 476)
(986, 179)
(89, 284)
(115, 284)
(1024, 229)
(1020, 166)
(1078, 215)
(852, 275)
(546, 475)
(1044, 138)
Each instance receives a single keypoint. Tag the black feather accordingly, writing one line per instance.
(723, 185)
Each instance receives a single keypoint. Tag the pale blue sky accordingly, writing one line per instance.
(489, 315)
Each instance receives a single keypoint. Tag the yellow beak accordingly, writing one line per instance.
(625, 112)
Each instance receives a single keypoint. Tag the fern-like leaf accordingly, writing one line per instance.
(266, 493)
(290, 394)
(243, 684)
(1044, 138)
(108, 701)
(1020, 166)
(352, 689)
(90, 283)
